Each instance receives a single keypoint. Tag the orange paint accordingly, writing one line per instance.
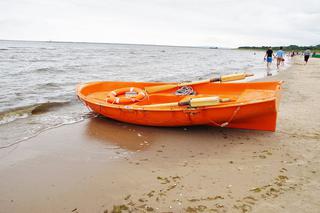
(252, 105)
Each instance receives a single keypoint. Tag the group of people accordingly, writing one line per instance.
(280, 56)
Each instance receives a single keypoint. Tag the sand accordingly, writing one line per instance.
(100, 165)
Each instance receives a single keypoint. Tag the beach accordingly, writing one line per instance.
(99, 165)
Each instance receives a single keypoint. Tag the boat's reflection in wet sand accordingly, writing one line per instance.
(125, 136)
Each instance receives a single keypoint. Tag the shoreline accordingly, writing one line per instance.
(99, 164)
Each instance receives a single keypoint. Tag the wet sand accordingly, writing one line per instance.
(101, 165)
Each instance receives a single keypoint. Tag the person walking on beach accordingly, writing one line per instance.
(280, 57)
(268, 57)
(307, 54)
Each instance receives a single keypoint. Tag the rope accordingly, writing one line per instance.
(185, 90)
(224, 124)
(146, 95)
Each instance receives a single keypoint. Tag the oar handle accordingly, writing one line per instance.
(231, 77)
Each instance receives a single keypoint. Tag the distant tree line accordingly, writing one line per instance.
(297, 48)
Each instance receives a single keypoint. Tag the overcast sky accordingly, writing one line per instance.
(223, 23)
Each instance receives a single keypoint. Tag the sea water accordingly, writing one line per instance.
(38, 79)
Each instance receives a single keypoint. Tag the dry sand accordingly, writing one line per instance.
(99, 165)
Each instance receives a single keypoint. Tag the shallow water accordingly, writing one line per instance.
(38, 79)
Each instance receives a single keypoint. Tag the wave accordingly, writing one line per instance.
(23, 112)
(48, 106)
(44, 69)
(42, 60)
(45, 48)
(49, 85)
(35, 133)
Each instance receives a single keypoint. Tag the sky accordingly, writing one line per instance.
(222, 23)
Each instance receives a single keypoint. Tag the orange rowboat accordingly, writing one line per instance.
(233, 105)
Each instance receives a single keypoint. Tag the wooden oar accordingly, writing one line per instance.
(192, 102)
(223, 78)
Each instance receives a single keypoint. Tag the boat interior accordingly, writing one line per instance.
(97, 92)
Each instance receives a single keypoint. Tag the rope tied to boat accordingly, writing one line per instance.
(224, 124)
(185, 90)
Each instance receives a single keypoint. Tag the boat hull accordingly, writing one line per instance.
(257, 115)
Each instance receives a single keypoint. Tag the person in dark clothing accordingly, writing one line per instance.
(306, 54)
(268, 56)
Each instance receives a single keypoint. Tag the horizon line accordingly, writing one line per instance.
(95, 42)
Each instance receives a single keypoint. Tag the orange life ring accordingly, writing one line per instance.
(113, 99)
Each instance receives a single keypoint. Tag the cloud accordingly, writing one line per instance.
(227, 23)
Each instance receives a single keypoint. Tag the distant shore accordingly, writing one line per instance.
(100, 165)
(290, 48)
